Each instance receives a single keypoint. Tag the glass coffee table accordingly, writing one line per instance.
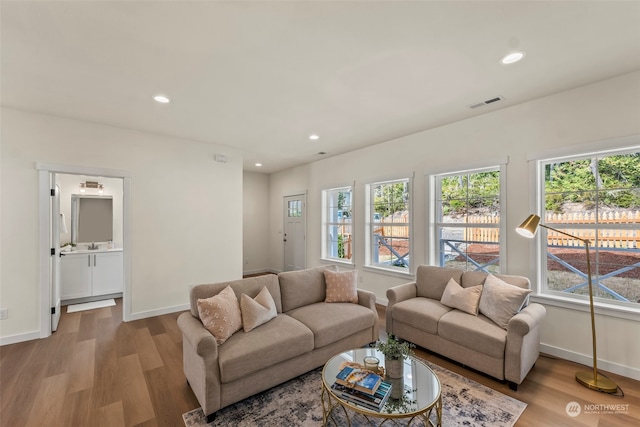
(415, 397)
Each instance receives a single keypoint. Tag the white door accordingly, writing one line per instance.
(294, 232)
(55, 254)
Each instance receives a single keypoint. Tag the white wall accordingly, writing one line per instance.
(600, 111)
(184, 206)
(255, 219)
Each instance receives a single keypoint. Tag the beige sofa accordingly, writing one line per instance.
(415, 313)
(305, 334)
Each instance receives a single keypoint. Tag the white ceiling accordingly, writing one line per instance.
(263, 76)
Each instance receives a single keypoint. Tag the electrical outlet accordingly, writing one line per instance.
(4, 313)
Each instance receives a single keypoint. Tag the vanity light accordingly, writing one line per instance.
(512, 58)
(100, 189)
(91, 184)
(83, 187)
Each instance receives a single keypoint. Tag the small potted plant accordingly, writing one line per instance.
(395, 351)
(69, 246)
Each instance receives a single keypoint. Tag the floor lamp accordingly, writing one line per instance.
(592, 380)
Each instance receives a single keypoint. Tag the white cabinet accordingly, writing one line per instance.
(86, 274)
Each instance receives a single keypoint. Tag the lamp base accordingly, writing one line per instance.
(600, 383)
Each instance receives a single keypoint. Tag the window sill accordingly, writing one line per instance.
(336, 261)
(600, 308)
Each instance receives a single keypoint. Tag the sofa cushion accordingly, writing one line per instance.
(250, 286)
(220, 314)
(420, 313)
(431, 281)
(277, 341)
(473, 332)
(257, 311)
(331, 322)
(500, 301)
(342, 286)
(465, 299)
(302, 287)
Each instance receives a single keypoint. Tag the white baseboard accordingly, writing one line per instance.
(604, 365)
(13, 339)
(151, 313)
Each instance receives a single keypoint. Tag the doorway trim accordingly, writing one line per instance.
(44, 169)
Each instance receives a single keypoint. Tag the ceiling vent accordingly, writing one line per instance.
(487, 102)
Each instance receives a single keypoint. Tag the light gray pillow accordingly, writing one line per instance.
(500, 301)
(257, 311)
(465, 299)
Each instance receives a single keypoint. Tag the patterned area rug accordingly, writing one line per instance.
(297, 403)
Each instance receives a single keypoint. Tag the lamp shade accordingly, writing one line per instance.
(529, 226)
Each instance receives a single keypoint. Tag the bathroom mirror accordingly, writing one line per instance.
(91, 218)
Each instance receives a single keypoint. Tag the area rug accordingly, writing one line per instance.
(297, 403)
(90, 305)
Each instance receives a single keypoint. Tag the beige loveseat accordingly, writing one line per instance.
(306, 332)
(415, 313)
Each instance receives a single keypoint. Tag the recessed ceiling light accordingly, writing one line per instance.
(314, 137)
(512, 58)
(258, 165)
(162, 99)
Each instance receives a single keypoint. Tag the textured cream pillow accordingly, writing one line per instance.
(342, 286)
(220, 314)
(500, 301)
(258, 311)
(465, 299)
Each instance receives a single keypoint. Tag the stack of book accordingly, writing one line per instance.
(362, 388)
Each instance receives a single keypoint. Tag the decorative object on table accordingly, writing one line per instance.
(590, 379)
(355, 376)
(371, 363)
(395, 351)
(465, 403)
(373, 402)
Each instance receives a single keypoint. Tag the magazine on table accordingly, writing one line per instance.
(373, 402)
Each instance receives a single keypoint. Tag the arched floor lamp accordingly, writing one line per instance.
(592, 380)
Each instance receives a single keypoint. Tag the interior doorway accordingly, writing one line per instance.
(56, 227)
(294, 238)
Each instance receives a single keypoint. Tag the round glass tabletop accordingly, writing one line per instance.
(414, 393)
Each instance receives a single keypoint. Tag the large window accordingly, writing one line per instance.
(389, 225)
(468, 211)
(337, 224)
(594, 197)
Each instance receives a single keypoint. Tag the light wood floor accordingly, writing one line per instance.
(99, 371)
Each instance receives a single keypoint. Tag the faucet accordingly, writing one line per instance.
(93, 246)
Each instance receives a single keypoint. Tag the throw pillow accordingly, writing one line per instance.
(465, 299)
(342, 286)
(500, 301)
(257, 311)
(221, 314)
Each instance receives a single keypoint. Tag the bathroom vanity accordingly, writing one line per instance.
(89, 273)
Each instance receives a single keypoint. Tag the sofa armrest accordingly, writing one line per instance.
(368, 299)
(196, 335)
(395, 295)
(526, 320)
(523, 342)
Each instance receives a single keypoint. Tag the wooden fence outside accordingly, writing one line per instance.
(621, 238)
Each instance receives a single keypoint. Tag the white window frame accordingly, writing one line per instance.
(370, 225)
(436, 224)
(567, 300)
(328, 224)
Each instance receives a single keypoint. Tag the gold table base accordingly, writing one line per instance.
(330, 402)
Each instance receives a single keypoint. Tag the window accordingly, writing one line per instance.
(389, 225)
(337, 224)
(294, 208)
(594, 197)
(468, 211)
